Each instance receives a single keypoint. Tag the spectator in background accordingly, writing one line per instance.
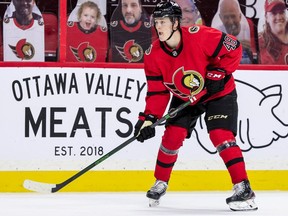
(87, 38)
(130, 32)
(273, 40)
(23, 32)
(89, 15)
(190, 13)
(24, 12)
(233, 22)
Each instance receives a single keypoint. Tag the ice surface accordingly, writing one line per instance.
(135, 204)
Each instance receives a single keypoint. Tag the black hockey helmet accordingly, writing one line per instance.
(167, 9)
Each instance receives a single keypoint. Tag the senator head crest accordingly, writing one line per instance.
(23, 50)
(186, 83)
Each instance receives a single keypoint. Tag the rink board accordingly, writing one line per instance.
(101, 181)
(56, 121)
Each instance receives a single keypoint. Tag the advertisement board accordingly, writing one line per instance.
(63, 119)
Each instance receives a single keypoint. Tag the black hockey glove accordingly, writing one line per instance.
(143, 131)
(215, 80)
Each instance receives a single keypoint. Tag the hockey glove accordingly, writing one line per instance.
(143, 131)
(215, 80)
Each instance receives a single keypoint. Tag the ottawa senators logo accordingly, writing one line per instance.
(147, 24)
(70, 23)
(186, 83)
(84, 52)
(114, 23)
(23, 50)
(131, 51)
(194, 29)
(148, 51)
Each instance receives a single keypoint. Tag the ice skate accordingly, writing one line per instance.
(156, 192)
(243, 197)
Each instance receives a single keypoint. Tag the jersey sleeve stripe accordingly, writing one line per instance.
(220, 44)
(157, 93)
(154, 78)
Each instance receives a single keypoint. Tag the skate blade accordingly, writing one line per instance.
(153, 202)
(248, 205)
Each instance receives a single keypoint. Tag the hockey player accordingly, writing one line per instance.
(185, 61)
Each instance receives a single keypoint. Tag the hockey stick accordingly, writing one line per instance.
(52, 188)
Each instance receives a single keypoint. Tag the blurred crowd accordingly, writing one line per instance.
(121, 30)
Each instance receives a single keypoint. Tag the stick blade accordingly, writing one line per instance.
(38, 186)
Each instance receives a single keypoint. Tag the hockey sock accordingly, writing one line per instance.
(172, 140)
(230, 153)
(163, 169)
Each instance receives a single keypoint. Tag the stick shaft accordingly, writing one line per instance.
(44, 187)
(118, 148)
(95, 163)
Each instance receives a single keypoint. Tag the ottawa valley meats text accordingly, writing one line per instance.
(46, 121)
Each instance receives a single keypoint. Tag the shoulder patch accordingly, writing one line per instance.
(147, 24)
(194, 29)
(148, 51)
(114, 23)
(230, 43)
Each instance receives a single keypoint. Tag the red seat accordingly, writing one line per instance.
(51, 35)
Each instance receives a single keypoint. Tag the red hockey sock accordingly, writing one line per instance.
(230, 153)
(172, 140)
(235, 164)
(163, 169)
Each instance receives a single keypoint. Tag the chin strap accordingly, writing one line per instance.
(171, 34)
(173, 22)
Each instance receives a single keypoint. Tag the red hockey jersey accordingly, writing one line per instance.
(86, 46)
(182, 71)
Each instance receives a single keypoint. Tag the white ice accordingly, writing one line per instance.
(272, 203)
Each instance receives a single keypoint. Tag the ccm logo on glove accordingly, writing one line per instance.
(214, 82)
(216, 74)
